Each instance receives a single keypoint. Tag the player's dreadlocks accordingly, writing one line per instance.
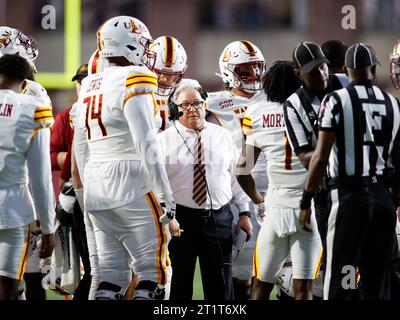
(281, 81)
(14, 67)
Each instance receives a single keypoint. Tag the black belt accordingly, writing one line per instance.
(352, 181)
(204, 213)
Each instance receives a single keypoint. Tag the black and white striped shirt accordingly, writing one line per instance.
(366, 121)
(301, 115)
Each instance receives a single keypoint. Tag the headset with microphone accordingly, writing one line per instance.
(174, 113)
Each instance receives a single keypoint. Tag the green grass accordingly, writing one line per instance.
(51, 295)
(197, 289)
(197, 285)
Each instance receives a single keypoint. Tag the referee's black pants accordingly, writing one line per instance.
(210, 239)
(360, 235)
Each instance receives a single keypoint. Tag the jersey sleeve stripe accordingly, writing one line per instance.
(138, 78)
(144, 83)
(132, 94)
(138, 75)
(43, 114)
(141, 80)
(47, 118)
(47, 108)
(247, 122)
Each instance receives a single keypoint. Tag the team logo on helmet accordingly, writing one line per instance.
(5, 38)
(228, 54)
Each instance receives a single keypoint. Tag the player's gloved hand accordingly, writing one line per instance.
(65, 205)
(259, 211)
(67, 197)
(169, 212)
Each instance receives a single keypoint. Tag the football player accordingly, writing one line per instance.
(281, 233)
(79, 152)
(25, 155)
(242, 67)
(97, 63)
(170, 66)
(14, 41)
(116, 110)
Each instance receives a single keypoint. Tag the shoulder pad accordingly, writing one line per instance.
(33, 88)
(218, 100)
(140, 80)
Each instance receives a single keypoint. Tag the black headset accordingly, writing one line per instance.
(174, 113)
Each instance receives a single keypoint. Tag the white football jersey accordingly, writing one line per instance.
(102, 98)
(33, 88)
(228, 110)
(99, 112)
(264, 125)
(161, 121)
(21, 116)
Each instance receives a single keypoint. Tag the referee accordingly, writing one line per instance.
(301, 111)
(359, 140)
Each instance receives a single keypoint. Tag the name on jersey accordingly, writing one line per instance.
(273, 120)
(240, 111)
(94, 85)
(6, 110)
(225, 104)
(162, 103)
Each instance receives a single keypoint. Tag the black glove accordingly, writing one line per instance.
(65, 205)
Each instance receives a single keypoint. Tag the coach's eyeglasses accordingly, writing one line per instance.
(187, 106)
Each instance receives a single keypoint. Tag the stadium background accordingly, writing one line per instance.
(204, 27)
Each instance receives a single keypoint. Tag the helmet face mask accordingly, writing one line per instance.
(170, 64)
(13, 41)
(394, 71)
(29, 46)
(242, 66)
(167, 81)
(149, 57)
(248, 76)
